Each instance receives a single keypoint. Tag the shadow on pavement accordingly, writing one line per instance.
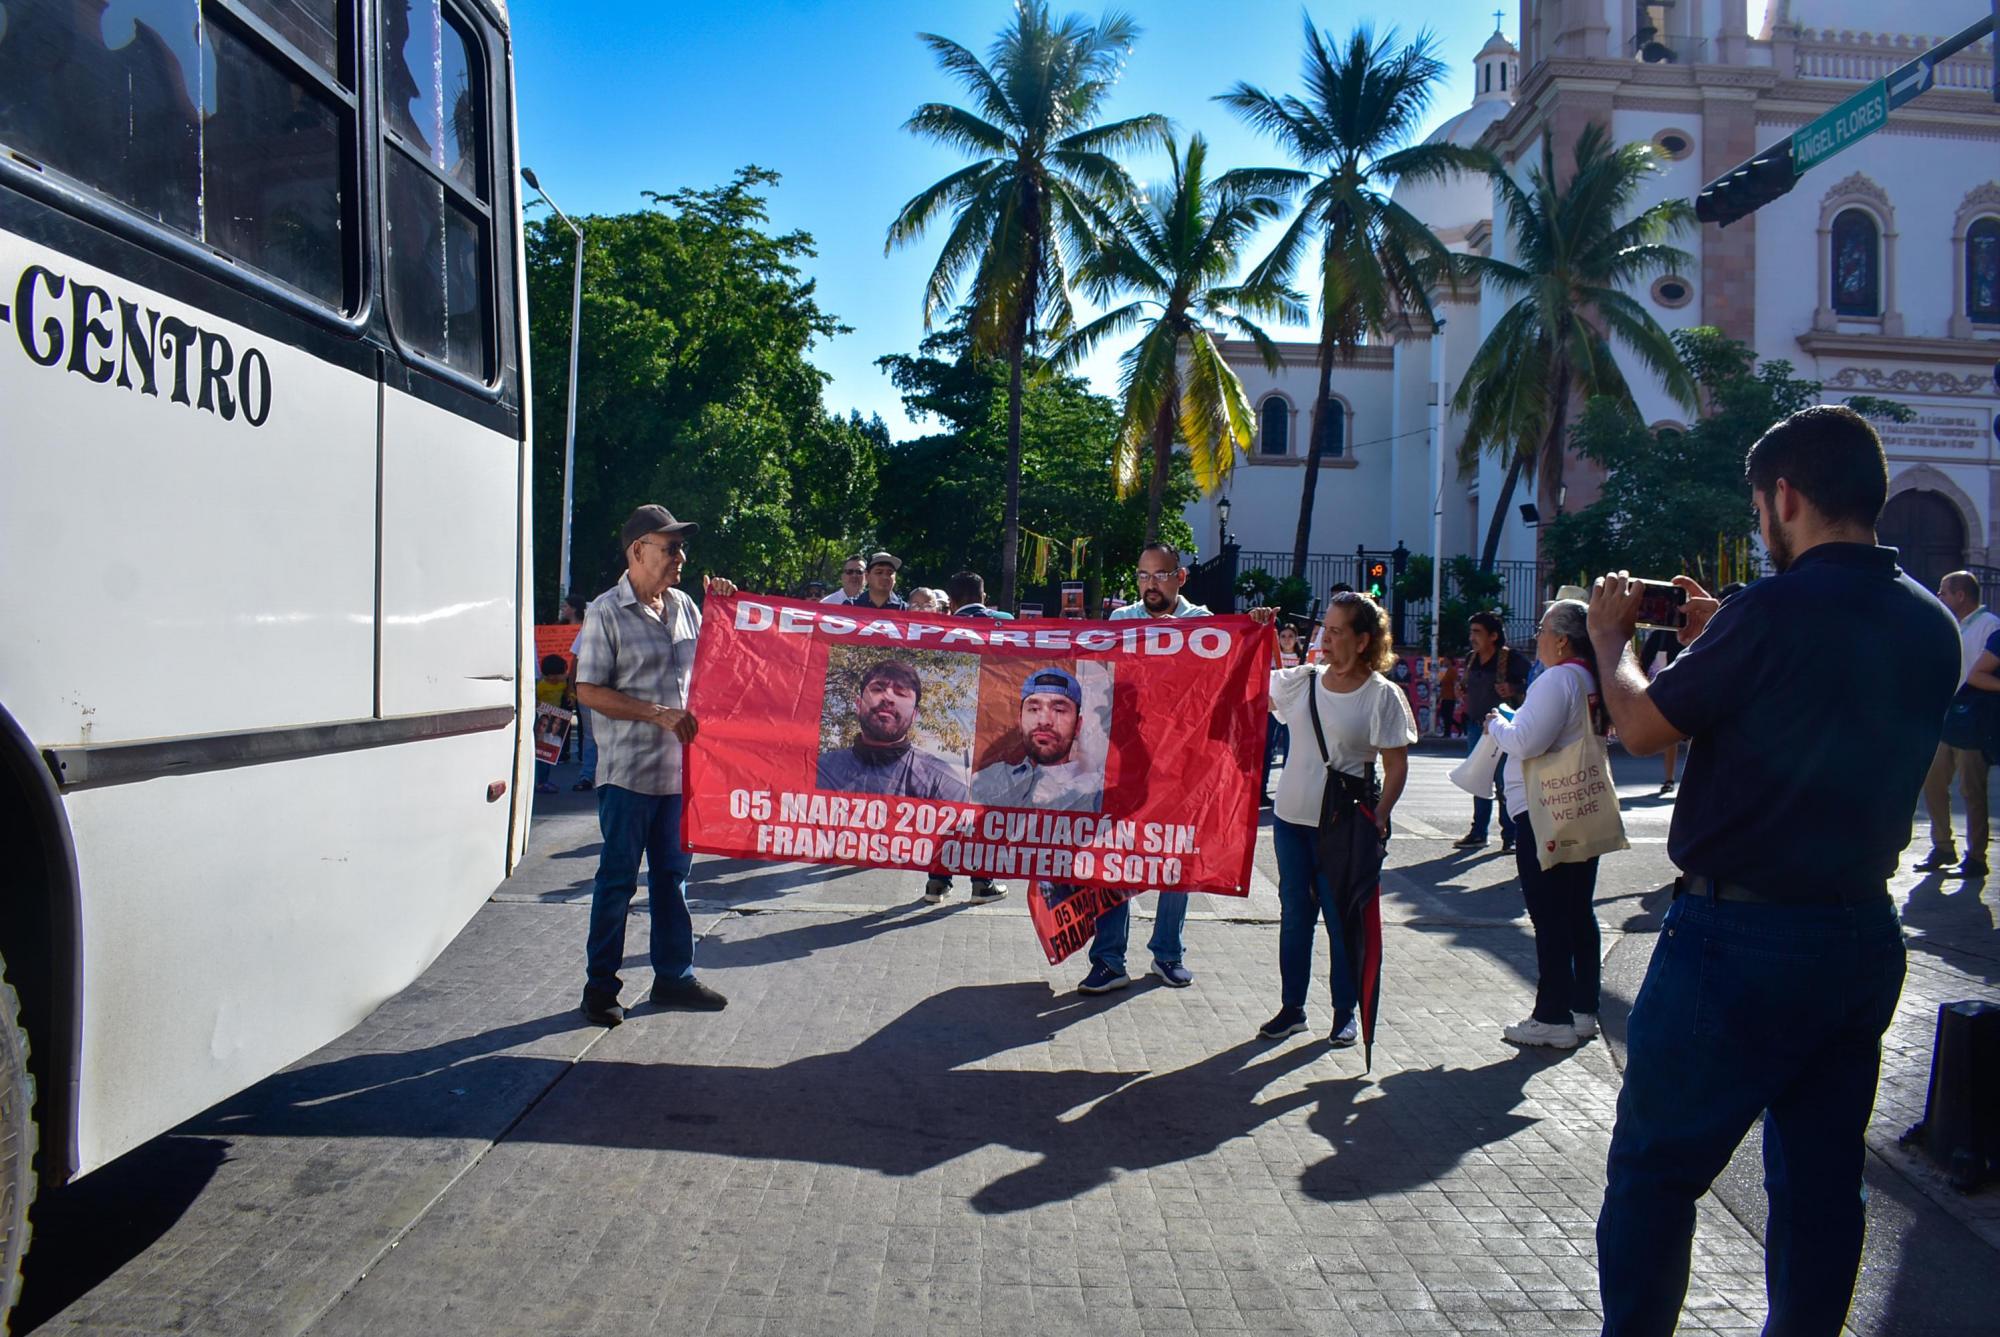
(794, 944)
(87, 1230)
(1954, 921)
(1157, 1120)
(1422, 1123)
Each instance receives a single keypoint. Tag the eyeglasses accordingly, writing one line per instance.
(672, 547)
(1157, 577)
(854, 571)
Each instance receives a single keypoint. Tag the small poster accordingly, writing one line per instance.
(551, 732)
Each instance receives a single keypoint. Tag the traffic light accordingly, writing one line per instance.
(1748, 186)
(1378, 579)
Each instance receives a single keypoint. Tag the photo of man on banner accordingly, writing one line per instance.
(884, 756)
(1061, 767)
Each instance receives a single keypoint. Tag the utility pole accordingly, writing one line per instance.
(569, 435)
(1752, 184)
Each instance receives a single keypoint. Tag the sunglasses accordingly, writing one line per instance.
(673, 548)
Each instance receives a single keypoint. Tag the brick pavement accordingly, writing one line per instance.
(906, 1123)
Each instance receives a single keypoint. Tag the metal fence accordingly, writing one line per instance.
(1523, 587)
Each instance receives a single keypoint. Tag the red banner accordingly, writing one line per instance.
(1119, 754)
(1066, 915)
(555, 638)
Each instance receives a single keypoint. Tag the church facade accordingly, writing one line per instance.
(1878, 274)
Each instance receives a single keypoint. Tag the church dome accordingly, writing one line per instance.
(1459, 202)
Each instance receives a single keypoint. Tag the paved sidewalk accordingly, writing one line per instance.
(906, 1123)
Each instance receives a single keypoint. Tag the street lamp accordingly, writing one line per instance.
(575, 332)
(1222, 521)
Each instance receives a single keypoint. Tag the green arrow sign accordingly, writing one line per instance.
(1858, 117)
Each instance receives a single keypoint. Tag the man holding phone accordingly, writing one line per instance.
(1779, 963)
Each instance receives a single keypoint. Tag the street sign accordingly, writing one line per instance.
(1858, 117)
(1914, 78)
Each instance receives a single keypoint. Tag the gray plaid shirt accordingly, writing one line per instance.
(629, 648)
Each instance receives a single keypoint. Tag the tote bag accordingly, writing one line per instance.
(1573, 803)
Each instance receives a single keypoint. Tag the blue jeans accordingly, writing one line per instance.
(1277, 743)
(1305, 898)
(587, 750)
(1747, 1010)
(1482, 808)
(1114, 931)
(634, 825)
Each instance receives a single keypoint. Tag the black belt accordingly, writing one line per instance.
(1721, 889)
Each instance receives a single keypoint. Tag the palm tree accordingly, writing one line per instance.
(1350, 134)
(1175, 248)
(1573, 261)
(1028, 205)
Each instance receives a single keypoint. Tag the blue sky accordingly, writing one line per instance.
(618, 98)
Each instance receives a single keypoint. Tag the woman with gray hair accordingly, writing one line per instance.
(1561, 704)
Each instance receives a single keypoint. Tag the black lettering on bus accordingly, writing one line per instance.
(88, 331)
(261, 386)
(217, 361)
(24, 307)
(175, 336)
(139, 345)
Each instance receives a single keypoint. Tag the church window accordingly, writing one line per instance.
(1503, 77)
(1673, 145)
(1274, 427)
(1486, 84)
(1336, 430)
(1857, 264)
(1673, 291)
(1982, 270)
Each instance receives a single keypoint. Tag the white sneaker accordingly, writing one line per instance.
(1549, 1034)
(1585, 1024)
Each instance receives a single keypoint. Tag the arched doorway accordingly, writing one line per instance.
(1927, 530)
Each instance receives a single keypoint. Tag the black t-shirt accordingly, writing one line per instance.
(1814, 701)
(1481, 682)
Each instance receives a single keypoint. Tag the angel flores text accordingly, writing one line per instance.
(1204, 642)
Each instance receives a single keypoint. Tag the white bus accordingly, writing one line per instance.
(264, 623)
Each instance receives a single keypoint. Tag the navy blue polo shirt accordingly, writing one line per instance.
(1813, 702)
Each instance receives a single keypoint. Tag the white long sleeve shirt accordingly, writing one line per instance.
(1554, 715)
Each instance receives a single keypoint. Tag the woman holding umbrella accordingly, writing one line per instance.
(1331, 816)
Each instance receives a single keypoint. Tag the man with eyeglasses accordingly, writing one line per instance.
(853, 575)
(633, 662)
(1161, 575)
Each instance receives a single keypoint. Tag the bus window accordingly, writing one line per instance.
(185, 115)
(436, 190)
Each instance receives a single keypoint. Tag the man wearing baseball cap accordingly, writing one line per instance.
(1051, 775)
(633, 661)
(879, 591)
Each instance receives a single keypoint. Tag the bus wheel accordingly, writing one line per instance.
(17, 1146)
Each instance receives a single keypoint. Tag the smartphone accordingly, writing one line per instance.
(1662, 607)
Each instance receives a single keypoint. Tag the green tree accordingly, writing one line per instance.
(694, 390)
(1350, 136)
(1030, 197)
(936, 506)
(1176, 249)
(1574, 259)
(1671, 498)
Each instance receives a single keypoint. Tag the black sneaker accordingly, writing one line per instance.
(687, 993)
(935, 889)
(583, 786)
(1103, 979)
(1936, 861)
(1471, 840)
(1974, 866)
(602, 1011)
(1506, 844)
(1289, 1021)
(983, 891)
(1346, 1032)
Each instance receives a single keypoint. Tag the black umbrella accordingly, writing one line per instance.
(1350, 858)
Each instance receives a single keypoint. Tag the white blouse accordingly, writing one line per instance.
(1358, 725)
